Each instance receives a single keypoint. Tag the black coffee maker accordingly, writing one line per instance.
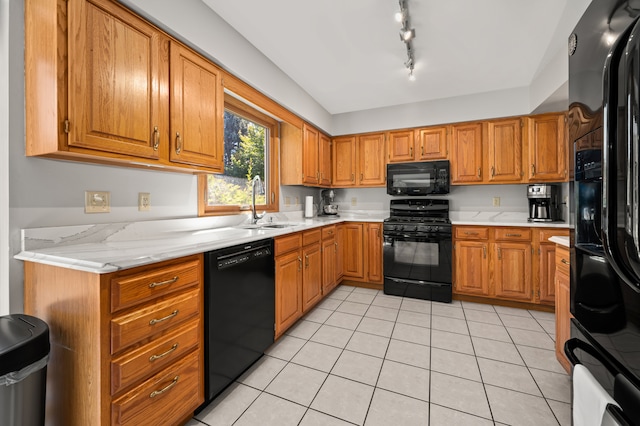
(543, 203)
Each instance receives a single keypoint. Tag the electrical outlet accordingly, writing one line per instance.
(496, 201)
(566, 200)
(354, 201)
(144, 201)
(287, 201)
(97, 201)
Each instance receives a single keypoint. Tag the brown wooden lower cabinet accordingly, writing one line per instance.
(513, 264)
(125, 346)
(363, 252)
(563, 314)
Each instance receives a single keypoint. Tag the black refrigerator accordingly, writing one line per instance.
(604, 127)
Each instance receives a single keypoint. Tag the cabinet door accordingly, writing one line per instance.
(547, 148)
(197, 110)
(432, 143)
(339, 243)
(373, 244)
(512, 278)
(288, 290)
(118, 70)
(371, 163)
(311, 276)
(329, 254)
(325, 160)
(547, 273)
(504, 146)
(353, 250)
(401, 145)
(466, 153)
(344, 161)
(471, 265)
(310, 144)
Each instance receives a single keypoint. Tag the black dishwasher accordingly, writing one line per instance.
(239, 310)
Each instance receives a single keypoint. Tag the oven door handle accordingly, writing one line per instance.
(419, 282)
(572, 344)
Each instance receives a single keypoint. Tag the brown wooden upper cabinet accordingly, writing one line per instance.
(547, 159)
(429, 143)
(305, 156)
(359, 160)
(466, 153)
(504, 149)
(114, 106)
(197, 110)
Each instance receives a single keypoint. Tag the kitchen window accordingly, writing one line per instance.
(249, 151)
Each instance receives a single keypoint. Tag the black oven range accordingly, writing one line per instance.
(417, 249)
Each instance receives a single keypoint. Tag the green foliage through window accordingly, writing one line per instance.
(245, 144)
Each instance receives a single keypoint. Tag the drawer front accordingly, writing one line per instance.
(130, 290)
(153, 357)
(164, 398)
(545, 234)
(288, 243)
(310, 237)
(153, 318)
(512, 234)
(472, 233)
(328, 232)
(562, 260)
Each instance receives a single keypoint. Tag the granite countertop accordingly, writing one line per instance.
(500, 219)
(107, 248)
(561, 240)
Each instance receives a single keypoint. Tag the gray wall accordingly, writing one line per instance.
(41, 192)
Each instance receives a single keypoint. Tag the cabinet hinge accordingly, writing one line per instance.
(66, 126)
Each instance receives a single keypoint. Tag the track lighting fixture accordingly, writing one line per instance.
(407, 34)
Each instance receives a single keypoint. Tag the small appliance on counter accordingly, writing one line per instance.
(543, 203)
(327, 207)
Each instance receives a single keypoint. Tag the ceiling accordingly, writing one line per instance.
(348, 56)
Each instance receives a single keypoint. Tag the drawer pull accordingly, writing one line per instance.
(171, 315)
(162, 355)
(164, 389)
(156, 138)
(470, 233)
(171, 281)
(513, 235)
(564, 261)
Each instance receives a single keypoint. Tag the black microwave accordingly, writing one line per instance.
(425, 178)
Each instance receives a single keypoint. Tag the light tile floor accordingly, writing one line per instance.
(362, 357)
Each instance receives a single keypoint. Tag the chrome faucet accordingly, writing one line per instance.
(256, 181)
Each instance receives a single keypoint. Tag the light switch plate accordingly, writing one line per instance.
(144, 201)
(97, 201)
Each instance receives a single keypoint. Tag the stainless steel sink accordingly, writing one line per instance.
(275, 225)
(265, 226)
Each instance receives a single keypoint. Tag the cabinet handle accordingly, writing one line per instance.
(533, 170)
(156, 138)
(273, 197)
(158, 284)
(336, 247)
(361, 177)
(171, 315)
(470, 233)
(166, 388)
(353, 177)
(499, 254)
(493, 171)
(411, 151)
(565, 261)
(422, 150)
(306, 261)
(479, 171)
(299, 263)
(513, 235)
(178, 143)
(162, 355)
(484, 252)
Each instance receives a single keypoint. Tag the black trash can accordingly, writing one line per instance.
(24, 353)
